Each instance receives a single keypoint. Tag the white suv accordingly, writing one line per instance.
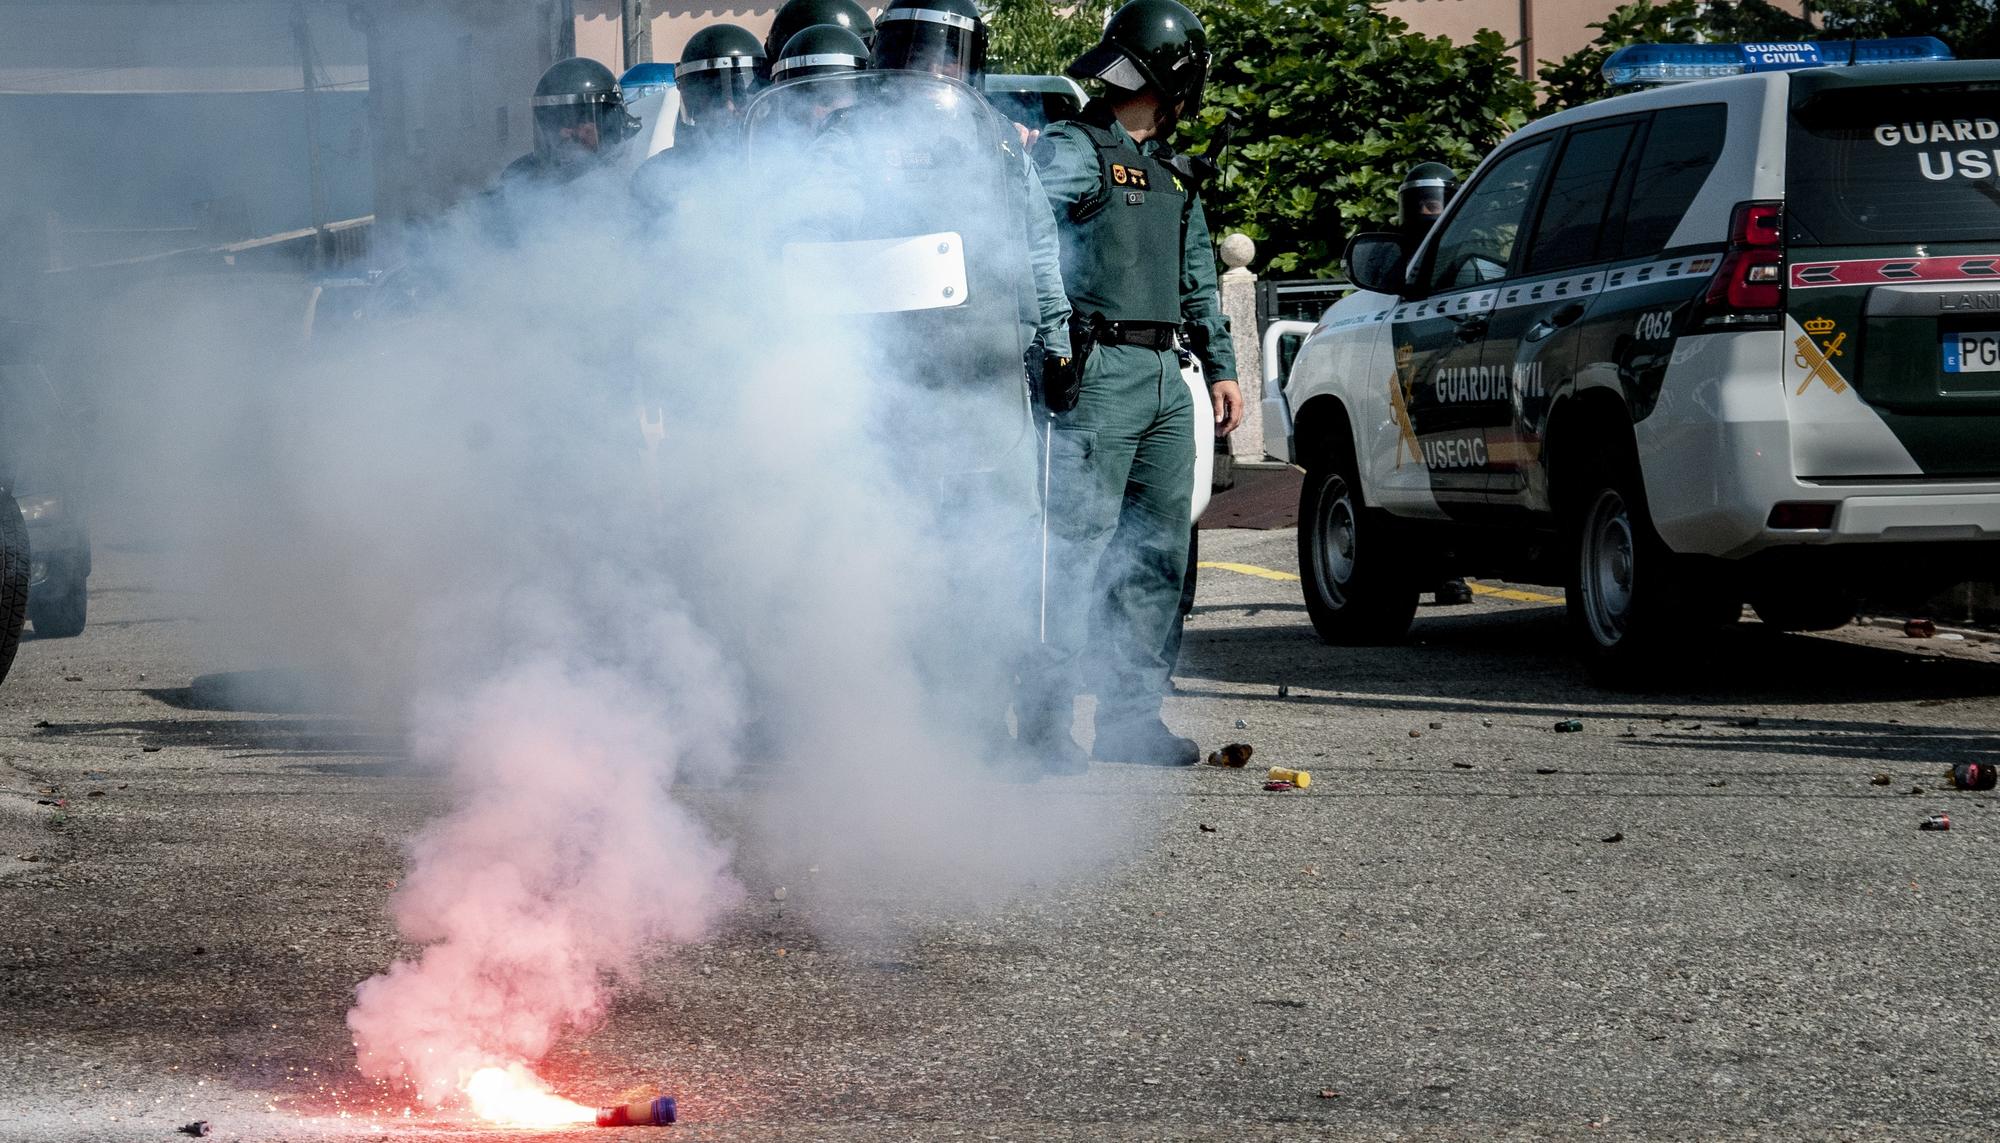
(1715, 341)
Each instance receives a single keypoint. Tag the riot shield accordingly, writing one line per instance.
(895, 203)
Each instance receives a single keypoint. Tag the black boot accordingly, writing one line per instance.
(1144, 742)
(1044, 745)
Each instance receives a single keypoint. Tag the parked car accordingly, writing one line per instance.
(40, 441)
(1730, 339)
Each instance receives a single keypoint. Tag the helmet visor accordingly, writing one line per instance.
(934, 42)
(589, 123)
(717, 89)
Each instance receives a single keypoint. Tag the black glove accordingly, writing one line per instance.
(1062, 383)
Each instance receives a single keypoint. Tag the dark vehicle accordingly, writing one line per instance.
(39, 442)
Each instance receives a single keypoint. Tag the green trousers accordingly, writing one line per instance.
(1120, 474)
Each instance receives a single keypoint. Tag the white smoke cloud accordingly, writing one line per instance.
(451, 509)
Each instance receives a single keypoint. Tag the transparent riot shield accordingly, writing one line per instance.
(894, 211)
(895, 203)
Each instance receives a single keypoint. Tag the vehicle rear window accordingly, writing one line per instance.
(1900, 165)
(1573, 215)
(1681, 149)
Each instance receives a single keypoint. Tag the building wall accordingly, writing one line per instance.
(452, 81)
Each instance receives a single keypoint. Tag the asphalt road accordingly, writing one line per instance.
(1695, 918)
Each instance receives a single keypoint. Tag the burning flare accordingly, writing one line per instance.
(513, 1096)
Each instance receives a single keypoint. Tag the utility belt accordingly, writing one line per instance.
(1157, 335)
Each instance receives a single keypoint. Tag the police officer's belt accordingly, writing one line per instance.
(1144, 334)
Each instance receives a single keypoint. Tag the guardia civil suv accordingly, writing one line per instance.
(1731, 338)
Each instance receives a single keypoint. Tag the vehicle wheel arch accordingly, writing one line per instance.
(1323, 432)
(1585, 425)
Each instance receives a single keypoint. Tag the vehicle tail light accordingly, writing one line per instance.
(1749, 285)
(1802, 515)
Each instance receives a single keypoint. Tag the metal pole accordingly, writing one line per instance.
(309, 85)
(638, 32)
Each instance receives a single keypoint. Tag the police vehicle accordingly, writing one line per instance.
(652, 98)
(1731, 337)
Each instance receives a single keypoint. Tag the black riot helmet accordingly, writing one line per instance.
(1155, 44)
(579, 110)
(717, 74)
(941, 37)
(1421, 199)
(823, 49)
(798, 15)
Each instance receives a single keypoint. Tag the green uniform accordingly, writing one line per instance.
(1135, 252)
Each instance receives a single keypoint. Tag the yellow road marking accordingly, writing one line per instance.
(1288, 577)
(1250, 569)
(1510, 593)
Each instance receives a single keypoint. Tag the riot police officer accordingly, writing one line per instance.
(580, 119)
(798, 15)
(720, 69)
(1138, 266)
(822, 49)
(1420, 202)
(1421, 198)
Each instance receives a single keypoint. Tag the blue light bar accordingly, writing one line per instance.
(643, 77)
(1644, 65)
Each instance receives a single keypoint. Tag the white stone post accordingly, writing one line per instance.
(1239, 304)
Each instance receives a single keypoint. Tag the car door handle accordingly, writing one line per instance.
(1471, 328)
(1555, 321)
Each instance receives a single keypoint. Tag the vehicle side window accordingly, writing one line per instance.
(1478, 242)
(1572, 219)
(1680, 150)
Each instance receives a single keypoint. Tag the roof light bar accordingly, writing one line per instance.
(1645, 65)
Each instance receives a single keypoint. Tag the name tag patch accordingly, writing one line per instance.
(1135, 198)
(1129, 176)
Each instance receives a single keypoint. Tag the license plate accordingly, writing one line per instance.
(1972, 352)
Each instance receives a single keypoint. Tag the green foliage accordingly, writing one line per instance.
(1971, 27)
(1336, 100)
(1032, 37)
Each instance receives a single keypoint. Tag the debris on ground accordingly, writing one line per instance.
(198, 1128)
(149, 750)
(1486, 722)
(1234, 756)
(778, 894)
(1284, 691)
(1616, 837)
(1920, 628)
(1718, 784)
(1242, 725)
(41, 723)
(72, 678)
(1973, 776)
(1547, 770)
(1913, 790)
(1416, 734)
(1300, 778)
(1461, 765)
(1279, 786)
(1205, 827)
(1880, 780)
(1938, 822)
(1747, 723)
(1569, 726)
(1437, 726)
(1328, 1093)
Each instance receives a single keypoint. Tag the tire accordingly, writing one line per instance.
(1807, 609)
(1634, 606)
(60, 607)
(1358, 585)
(14, 572)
